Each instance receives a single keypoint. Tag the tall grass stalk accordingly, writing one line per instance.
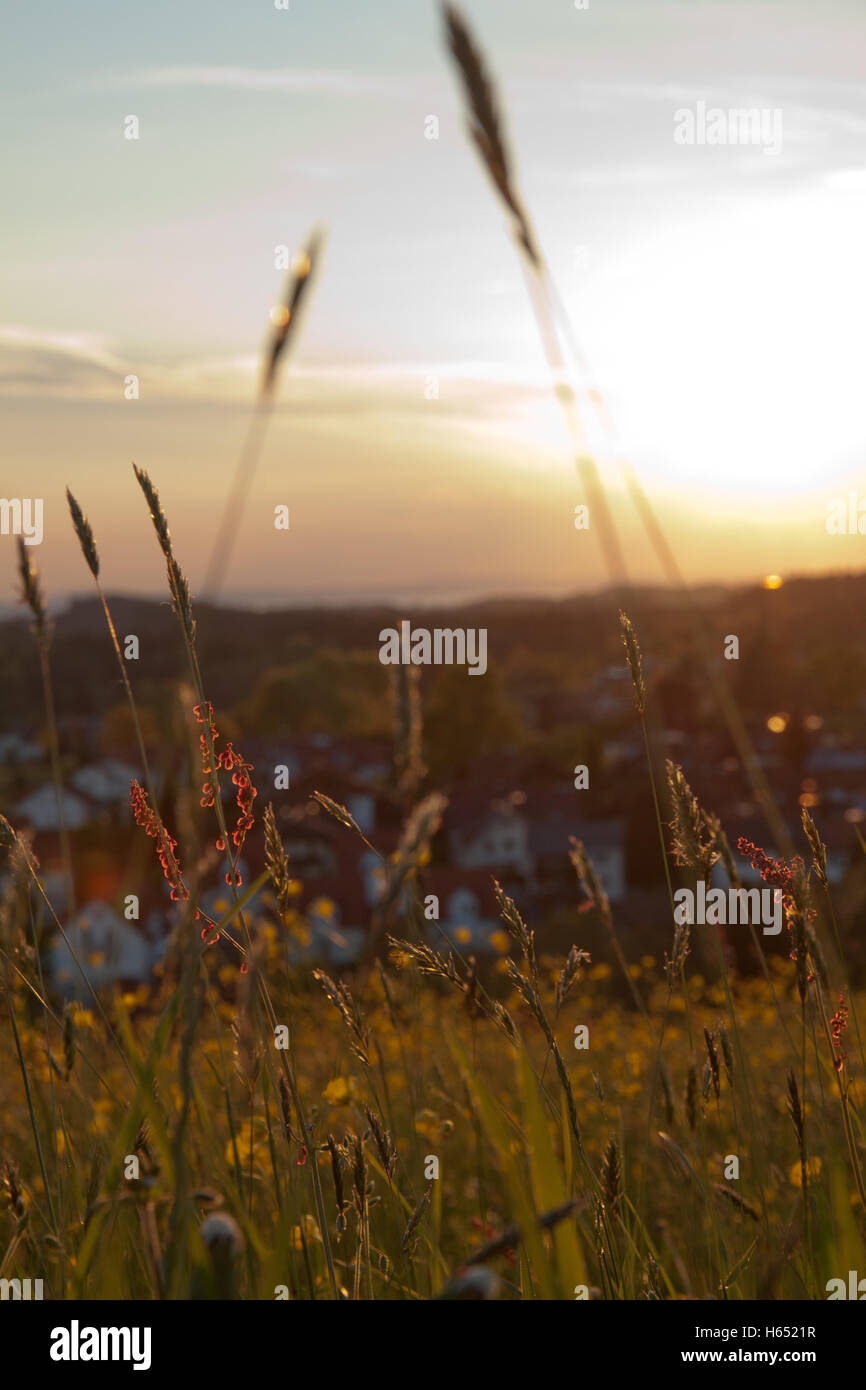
(33, 597)
(285, 323)
(555, 330)
(183, 610)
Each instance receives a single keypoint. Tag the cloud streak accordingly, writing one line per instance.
(68, 366)
(324, 81)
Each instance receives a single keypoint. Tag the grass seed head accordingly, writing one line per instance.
(729, 1195)
(341, 998)
(276, 859)
(675, 962)
(693, 844)
(416, 1218)
(178, 586)
(157, 515)
(692, 1100)
(611, 1176)
(589, 879)
(795, 1110)
(384, 1144)
(568, 974)
(632, 651)
(285, 318)
(337, 1175)
(31, 592)
(713, 1062)
(85, 535)
(818, 848)
(485, 126)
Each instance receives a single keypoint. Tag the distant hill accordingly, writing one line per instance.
(824, 615)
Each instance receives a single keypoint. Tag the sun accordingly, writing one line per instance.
(732, 348)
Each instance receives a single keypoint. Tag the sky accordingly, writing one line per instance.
(716, 290)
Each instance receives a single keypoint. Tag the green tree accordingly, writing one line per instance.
(329, 691)
(465, 717)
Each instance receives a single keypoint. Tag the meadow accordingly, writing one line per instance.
(421, 1128)
(424, 1126)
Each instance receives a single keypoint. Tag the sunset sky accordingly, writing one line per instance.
(718, 292)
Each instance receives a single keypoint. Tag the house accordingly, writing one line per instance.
(15, 749)
(330, 939)
(109, 949)
(490, 835)
(367, 760)
(550, 839)
(374, 808)
(341, 881)
(362, 807)
(39, 810)
(836, 760)
(106, 783)
(622, 750)
(337, 907)
(468, 910)
(310, 848)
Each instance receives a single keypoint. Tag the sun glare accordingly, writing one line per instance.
(731, 361)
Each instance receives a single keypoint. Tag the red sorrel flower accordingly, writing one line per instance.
(838, 1028)
(147, 819)
(789, 877)
(773, 871)
(232, 762)
(204, 715)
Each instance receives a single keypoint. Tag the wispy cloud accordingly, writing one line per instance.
(34, 363)
(85, 367)
(327, 81)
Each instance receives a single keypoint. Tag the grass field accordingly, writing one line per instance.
(247, 1128)
(540, 1128)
